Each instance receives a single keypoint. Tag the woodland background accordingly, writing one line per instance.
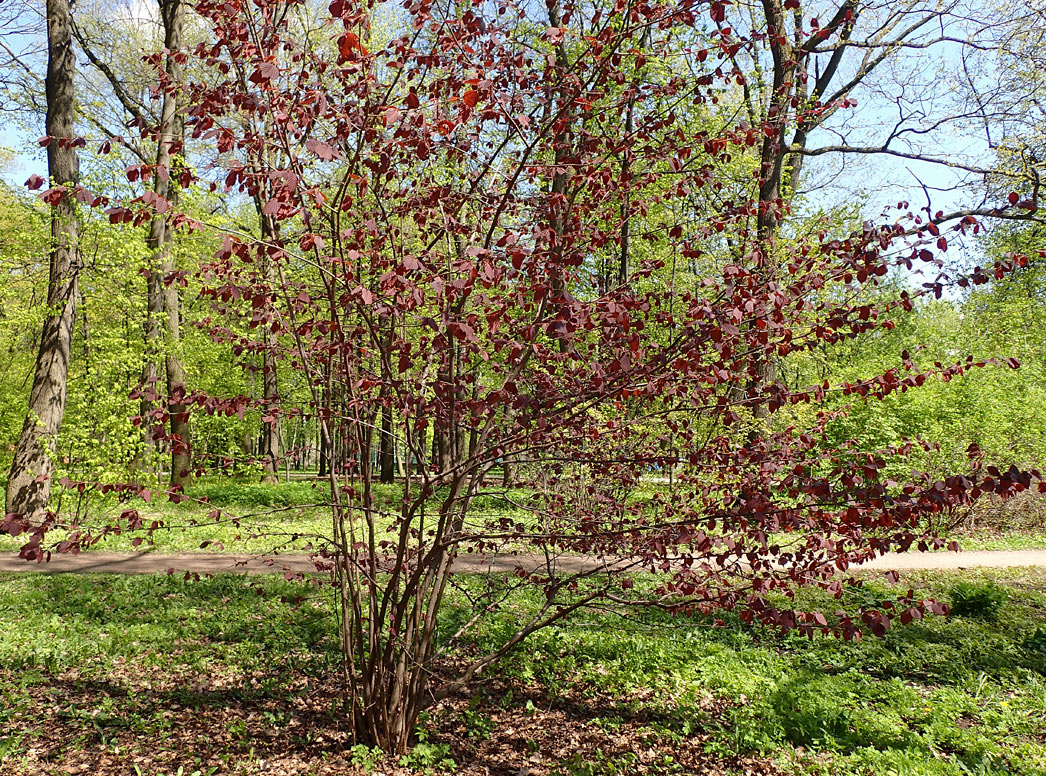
(953, 112)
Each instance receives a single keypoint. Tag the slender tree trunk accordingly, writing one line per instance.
(402, 466)
(158, 244)
(272, 432)
(387, 453)
(443, 427)
(624, 259)
(562, 144)
(29, 483)
(774, 146)
(323, 440)
(181, 457)
(387, 440)
(508, 468)
(153, 342)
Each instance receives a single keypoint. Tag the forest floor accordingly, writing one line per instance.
(214, 563)
(156, 675)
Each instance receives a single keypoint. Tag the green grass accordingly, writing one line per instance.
(1002, 540)
(253, 517)
(98, 623)
(290, 515)
(947, 696)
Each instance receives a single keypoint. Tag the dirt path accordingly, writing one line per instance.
(214, 563)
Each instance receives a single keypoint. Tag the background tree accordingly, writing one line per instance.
(163, 318)
(29, 481)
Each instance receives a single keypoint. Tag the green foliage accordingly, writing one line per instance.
(24, 239)
(1036, 641)
(67, 621)
(427, 756)
(595, 764)
(246, 494)
(939, 696)
(478, 725)
(981, 600)
(366, 758)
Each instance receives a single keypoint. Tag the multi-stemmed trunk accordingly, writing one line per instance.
(29, 483)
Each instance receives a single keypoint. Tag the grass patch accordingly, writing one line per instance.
(254, 517)
(949, 695)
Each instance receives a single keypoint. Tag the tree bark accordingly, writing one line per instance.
(29, 483)
(562, 149)
(387, 454)
(181, 453)
(774, 146)
(508, 468)
(163, 323)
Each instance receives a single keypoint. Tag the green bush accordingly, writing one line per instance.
(977, 600)
(1036, 642)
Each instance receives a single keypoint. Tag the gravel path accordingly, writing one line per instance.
(214, 563)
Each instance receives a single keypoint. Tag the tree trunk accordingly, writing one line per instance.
(181, 458)
(324, 459)
(163, 324)
(29, 483)
(272, 432)
(774, 147)
(153, 342)
(772, 158)
(562, 144)
(508, 469)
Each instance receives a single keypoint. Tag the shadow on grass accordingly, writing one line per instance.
(58, 621)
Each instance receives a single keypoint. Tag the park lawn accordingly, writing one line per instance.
(149, 674)
(293, 516)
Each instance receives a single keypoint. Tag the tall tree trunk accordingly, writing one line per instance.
(402, 461)
(29, 483)
(272, 432)
(324, 457)
(772, 157)
(624, 267)
(562, 143)
(181, 457)
(163, 324)
(774, 147)
(153, 343)
(387, 443)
